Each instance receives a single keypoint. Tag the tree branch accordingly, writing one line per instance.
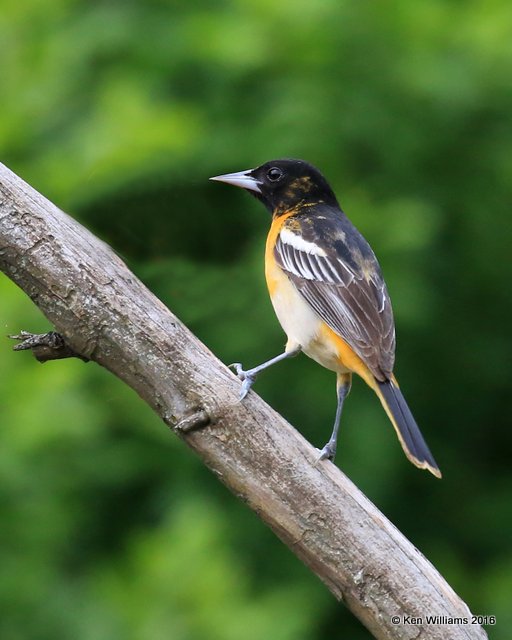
(105, 314)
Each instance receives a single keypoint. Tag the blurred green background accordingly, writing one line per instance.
(119, 112)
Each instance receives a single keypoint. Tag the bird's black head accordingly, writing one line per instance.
(283, 184)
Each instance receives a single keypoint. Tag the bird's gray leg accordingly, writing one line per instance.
(343, 384)
(248, 377)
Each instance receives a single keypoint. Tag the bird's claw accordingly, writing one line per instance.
(238, 369)
(327, 453)
(247, 378)
(246, 385)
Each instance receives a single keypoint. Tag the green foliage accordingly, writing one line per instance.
(119, 112)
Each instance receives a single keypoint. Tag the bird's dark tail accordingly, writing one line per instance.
(407, 430)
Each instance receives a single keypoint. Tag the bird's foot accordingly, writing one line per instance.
(247, 377)
(328, 452)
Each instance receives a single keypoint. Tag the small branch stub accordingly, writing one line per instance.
(196, 420)
(45, 346)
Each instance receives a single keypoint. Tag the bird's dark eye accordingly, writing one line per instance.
(274, 174)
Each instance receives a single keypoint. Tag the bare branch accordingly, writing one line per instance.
(105, 314)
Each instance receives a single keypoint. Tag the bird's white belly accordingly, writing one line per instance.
(300, 322)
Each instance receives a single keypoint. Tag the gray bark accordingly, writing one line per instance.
(107, 315)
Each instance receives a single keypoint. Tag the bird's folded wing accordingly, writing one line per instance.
(349, 295)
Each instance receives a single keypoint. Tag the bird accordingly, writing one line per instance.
(328, 293)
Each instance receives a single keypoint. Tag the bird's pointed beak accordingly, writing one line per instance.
(242, 179)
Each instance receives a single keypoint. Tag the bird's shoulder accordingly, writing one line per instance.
(326, 231)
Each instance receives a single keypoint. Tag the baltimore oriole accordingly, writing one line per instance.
(328, 293)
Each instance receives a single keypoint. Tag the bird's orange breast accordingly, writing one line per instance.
(272, 271)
